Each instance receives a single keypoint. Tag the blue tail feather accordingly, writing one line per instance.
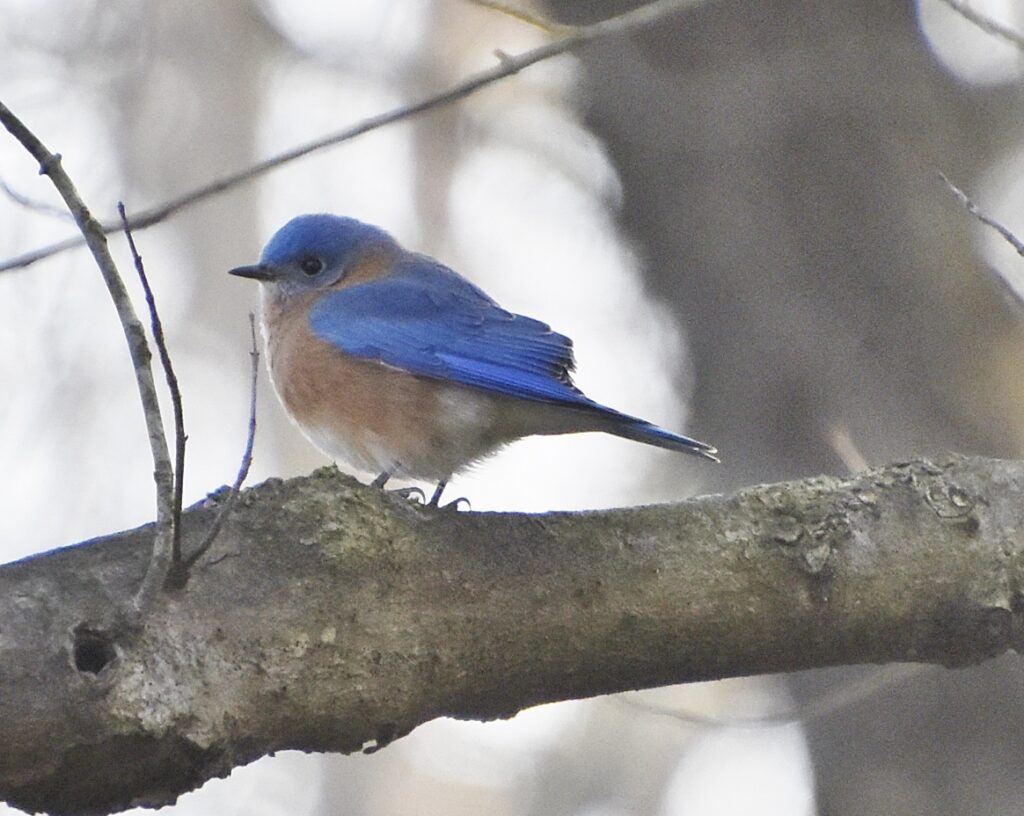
(640, 430)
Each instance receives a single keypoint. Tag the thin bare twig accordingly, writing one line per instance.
(986, 24)
(1009, 289)
(172, 386)
(138, 348)
(31, 204)
(523, 16)
(181, 572)
(507, 66)
(828, 703)
(974, 210)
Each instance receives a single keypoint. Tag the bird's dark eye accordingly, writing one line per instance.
(311, 265)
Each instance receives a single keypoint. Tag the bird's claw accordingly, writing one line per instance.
(410, 493)
(453, 505)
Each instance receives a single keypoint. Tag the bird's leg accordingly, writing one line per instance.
(435, 500)
(454, 505)
(437, 493)
(415, 492)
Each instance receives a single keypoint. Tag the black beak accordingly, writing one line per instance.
(260, 272)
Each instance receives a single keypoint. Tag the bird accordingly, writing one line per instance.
(393, 363)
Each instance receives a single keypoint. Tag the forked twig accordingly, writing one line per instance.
(138, 348)
(172, 385)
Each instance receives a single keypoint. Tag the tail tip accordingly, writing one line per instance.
(706, 451)
(712, 455)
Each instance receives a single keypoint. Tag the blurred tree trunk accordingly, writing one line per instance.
(185, 116)
(186, 111)
(779, 165)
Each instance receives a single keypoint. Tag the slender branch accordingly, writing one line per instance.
(830, 702)
(506, 67)
(172, 385)
(243, 469)
(974, 210)
(1009, 289)
(94, 236)
(524, 16)
(986, 24)
(31, 204)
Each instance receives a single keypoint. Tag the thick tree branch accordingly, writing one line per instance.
(338, 617)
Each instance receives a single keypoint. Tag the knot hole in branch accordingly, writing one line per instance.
(92, 650)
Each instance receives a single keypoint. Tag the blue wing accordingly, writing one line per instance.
(427, 320)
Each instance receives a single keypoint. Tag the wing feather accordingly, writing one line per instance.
(429, 321)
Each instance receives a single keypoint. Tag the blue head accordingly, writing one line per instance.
(314, 252)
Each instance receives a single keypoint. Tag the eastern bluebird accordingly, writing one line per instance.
(392, 362)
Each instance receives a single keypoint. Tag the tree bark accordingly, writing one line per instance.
(334, 617)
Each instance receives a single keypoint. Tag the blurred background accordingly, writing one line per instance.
(736, 213)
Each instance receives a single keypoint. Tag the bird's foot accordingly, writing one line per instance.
(411, 493)
(417, 495)
(453, 506)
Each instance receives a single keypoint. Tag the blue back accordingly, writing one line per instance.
(427, 320)
(423, 318)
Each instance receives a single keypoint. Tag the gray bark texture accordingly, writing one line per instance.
(334, 617)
